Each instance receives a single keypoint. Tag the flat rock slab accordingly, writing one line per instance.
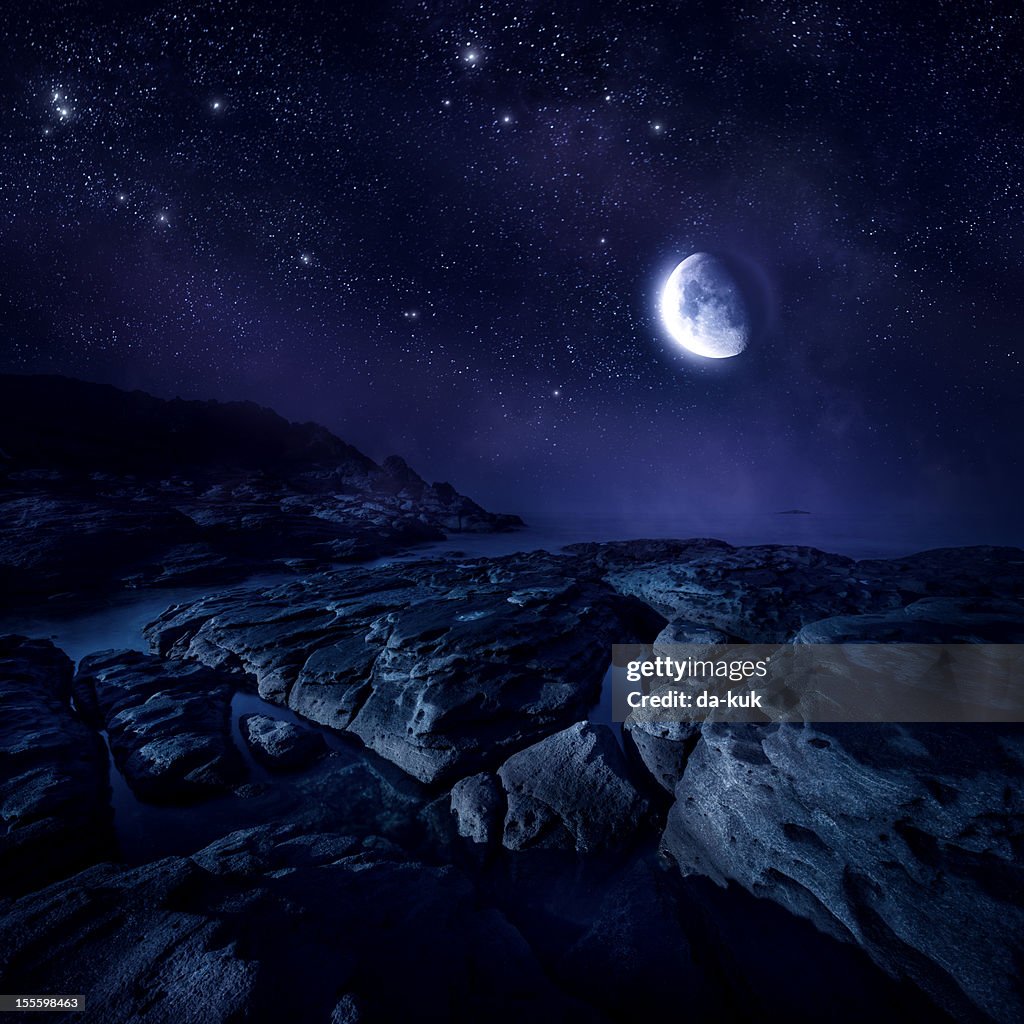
(54, 794)
(759, 594)
(168, 723)
(979, 571)
(929, 620)
(904, 839)
(443, 668)
(682, 631)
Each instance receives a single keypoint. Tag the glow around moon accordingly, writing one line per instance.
(703, 310)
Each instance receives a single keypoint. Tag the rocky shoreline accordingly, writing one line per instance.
(102, 490)
(472, 680)
(376, 791)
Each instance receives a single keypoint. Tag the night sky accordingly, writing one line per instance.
(441, 230)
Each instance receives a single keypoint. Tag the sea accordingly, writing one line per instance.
(854, 535)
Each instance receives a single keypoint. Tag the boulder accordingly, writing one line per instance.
(280, 745)
(571, 791)
(459, 684)
(664, 746)
(57, 540)
(974, 572)
(903, 839)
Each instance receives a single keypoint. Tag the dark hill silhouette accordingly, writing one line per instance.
(76, 426)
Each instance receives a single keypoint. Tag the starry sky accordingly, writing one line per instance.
(441, 230)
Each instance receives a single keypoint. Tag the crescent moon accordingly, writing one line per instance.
(703, 310)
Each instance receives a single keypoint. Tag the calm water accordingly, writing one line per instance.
(146, 830)
(858, 536)
(115, 621)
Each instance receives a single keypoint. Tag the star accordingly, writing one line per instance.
(488, 226)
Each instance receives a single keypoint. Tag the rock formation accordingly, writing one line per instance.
(103, 489)
(54, 795)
